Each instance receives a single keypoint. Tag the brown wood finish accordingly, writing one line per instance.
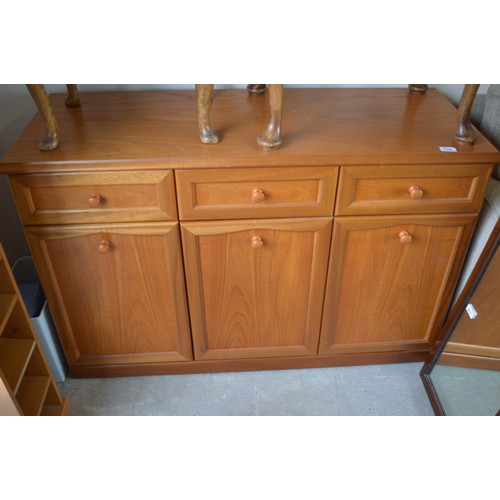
(126, 305)
(256, 192)
(257, 88)
(269, 139)
(406, 189)
(385, 295)
(255, 287)
(26, 384)
(465, 133)
(50, 139)
(480, 336)
(418, 88)
(73, 98)
(249, 364)
(95, 197)
(323, 127)
(256, 282)
(478, 362)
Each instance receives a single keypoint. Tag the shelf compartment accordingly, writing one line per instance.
(31, 394)
(14, 357)
(56, 410)
(54, 403)
(17, 327)
(7, 303)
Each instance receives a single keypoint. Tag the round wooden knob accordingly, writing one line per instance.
(257, 242)
(94, 200)
(258, 195)
(415, 192)
(104, 246)
(405, 237)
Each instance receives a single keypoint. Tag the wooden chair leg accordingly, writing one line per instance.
(257, 88)
(73, 98)
(271, 137)
(418, 88)
(465, 133)
(51, 138)
(205, 93)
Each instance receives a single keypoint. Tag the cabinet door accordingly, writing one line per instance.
(116, 291)
(390, 280)
(256, 288)
(475, 339)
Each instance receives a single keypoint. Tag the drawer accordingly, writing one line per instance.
(411, 189)
(95, 197)
(256, 192)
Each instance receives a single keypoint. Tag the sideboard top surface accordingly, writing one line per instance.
(158, 129)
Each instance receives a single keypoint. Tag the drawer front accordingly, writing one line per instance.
(411, 189)
(256, 192)
(95, 197)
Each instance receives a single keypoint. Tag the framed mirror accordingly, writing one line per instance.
(463, 376)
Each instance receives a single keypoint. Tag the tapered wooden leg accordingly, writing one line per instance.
(205, 93)
(73, 98)
(418, 88)
(465, 133)
(257, 88)
(51, 138)
(271, 137)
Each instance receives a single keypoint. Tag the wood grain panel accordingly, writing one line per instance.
(481, 336)
(383, 294)
(256, 302)
(250, 364)
(231, 194)
(126, 305)
(391, 190)
(95, 197)
(320, 127)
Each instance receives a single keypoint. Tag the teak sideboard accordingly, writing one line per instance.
(159, 254)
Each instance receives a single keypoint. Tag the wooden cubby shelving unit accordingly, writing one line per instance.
(27, 386)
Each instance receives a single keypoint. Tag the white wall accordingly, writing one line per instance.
(17, 109)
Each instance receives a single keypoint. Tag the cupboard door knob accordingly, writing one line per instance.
(257, 242)
(104, 246)
(258, 195)
(405, 237)
(94, 200)
(415, 192)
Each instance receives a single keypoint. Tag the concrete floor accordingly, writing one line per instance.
(356, 390)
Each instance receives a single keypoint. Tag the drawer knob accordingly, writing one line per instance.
(257, 242)
(258, 195)
(104, 246)
(415, 192)
(94, 200)
(405, 237)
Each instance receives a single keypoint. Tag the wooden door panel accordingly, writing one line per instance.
(126, 305)
(384, 291)
(480, 335)
(251, 299)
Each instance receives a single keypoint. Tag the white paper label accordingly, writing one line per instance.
(448, 149)
(471, 311)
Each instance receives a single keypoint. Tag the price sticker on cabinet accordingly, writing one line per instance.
(471, 311)
(448, 149)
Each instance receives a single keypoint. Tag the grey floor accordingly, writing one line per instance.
(355, 390)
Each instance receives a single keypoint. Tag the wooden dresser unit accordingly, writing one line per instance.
(159, 254)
